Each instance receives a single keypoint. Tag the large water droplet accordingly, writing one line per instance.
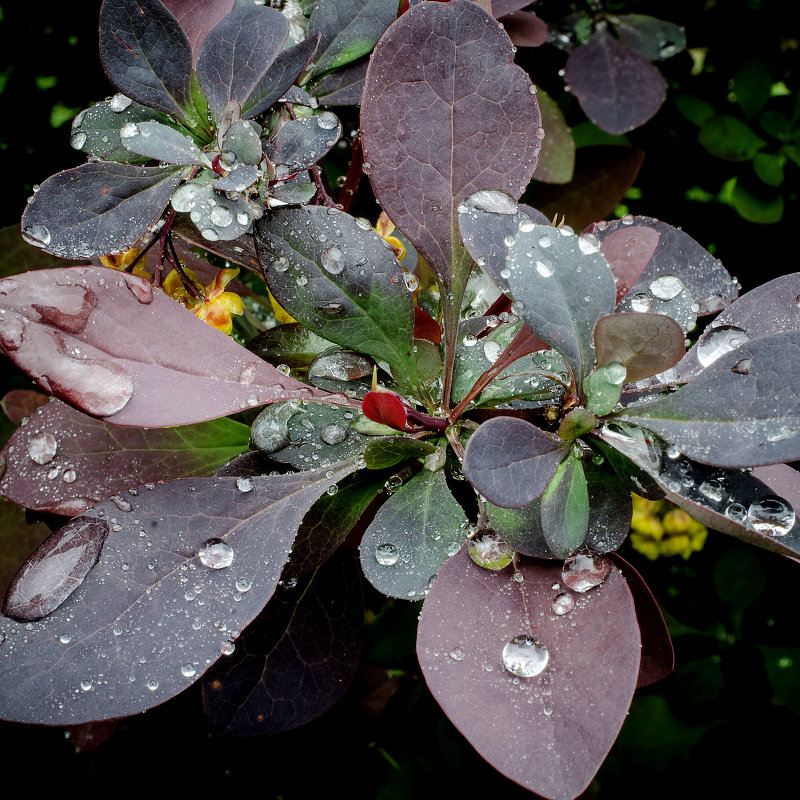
(457, 654)
(37, 235)
(188, 670)
(581, 573)
(737, 512)
(525, 656)
(42, 448)
(387, 554)
(244, 484)
(332, 260)
(243, 585)
(716, 342)
(490, 201)
(563, 603)
(712, 489)
(641, 302)
(771, 515)
(489, 551)
(327, 120)
(666, 287)
(544, 268)
(216, 554)
(333, 434)
(119, 102)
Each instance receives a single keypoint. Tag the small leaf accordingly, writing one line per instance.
(521, 528)
(237, 53)
(609, 509)
(78, 666)
(557, 157)
(300, 143)
(618, 88)
(645, 343)
(510, 462)
(524, 29)
(565, 508)
(628, 250)
(295, 661)
(727, 137)
(752, 85)
(96, 209)
(603, 388)
(388, 408)
(291, 344)
(390, 450)
(146, 54)
(756, 205)
(161, 143)
(412, 535)
(555, 743)
(343, 87)
(655, 39)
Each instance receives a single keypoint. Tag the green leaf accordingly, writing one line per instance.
(337, 277)
(414, 532)
(739, 578)
(557, 156)
(693, 108)
(390, 450)
(752, 85)
(521, 528)
(292, 344)
(769, 168)
(729, 138)
(565, 508)
(604, 387)
(755, 208)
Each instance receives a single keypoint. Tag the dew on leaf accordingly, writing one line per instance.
(666, 287)
(544, 268)
(737, 512)
(771, 515)
(333, 434)
(489, 551)
(227, 649)
(332, 260)
(188, 670)
(641, 302)
(457, 654)
(716, 342)
(119, 102)
(491, 201)
(387, 554)
(583, 572)
(216, 554)
(712, 489)
(42, 448)
(742, 366)
(244, 484)
(563, 603)
(151, 684)
(37, 235)
(525, 656)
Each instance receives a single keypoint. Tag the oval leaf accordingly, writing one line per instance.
(161, 143)
(565, 508)
(628, 251)
(551, 732)
(557, 158)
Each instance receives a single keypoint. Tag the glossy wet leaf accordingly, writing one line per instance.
(197, 19)
(552, 743)
(618, 88)
(510, 462)
(290, 344)
(678, 254)
(300, 143)
(160, 142)
(96, 209)
(565, 508)
(645, 343)
(146, 54)
(609, 508)
(733, 415)
(296, 659)
(340, 280)
(414, 532)
(603, 388)
(728, 137)
(628, 251)
(49, 314)
(237, 52)
(557, 157)
(634, 458)
(429, 144)
(563, 285)
(348, 30)
(63, 461)
(145, 624)
(655, 39)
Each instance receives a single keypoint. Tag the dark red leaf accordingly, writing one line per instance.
(426, 327)
(618, 88)
(197, 19)
(131, 338)
(387, 408)
(628, 250)
(90, 736)
(524, 29)
(20, 403)
(551, 732)
(343, 87)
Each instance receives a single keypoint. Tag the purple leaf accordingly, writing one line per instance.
(157, 607)
(62, 461)
(550, 732)
(241, 251)
(658, 657)
(678, 254)
(524, 29)
(628, 250)
(342, 87)
(197, 19)
(645, 343)
(618, 88)
(146, 54)
(510, 462)
(557, 157)
(742, 410)
(502, 7)
(436, 129)
(57, 568)
(237, 53)
(96, 209)
(295, 660)
(100, 339)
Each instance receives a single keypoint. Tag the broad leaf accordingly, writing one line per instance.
(557, 157)
(412, 535)
(628, 251)
(430, 143)
(563, 285)
(603, 389)
(291, 344)
(549, 732)
(197, 19)
(633, 477)
(521, 528)
(742, 410)
(70, 330)
(160, 142)
(19, 404)
(96, 209)
(387, 451)
(295, 660)
(348, 29)
(160, 602)
(565, 508)
(237, 53)
(655, 39)
(510, 462)
(645, 343)
(62, 461)
(146, 54)
(339, 278)
(16, 255)
(618, 88)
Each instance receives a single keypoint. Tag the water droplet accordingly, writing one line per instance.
(332, 260)
(510, 241)
(712, 489)
(616, 372)
(545, 241)
(216, 554)
(221, 217)
(470, 340)
(525, 656)
(489, 551)
(244, 484)
(563, 603)
(151, 684)
(65, 638)
(86, 686)
(227, 649)
(492, 350)
(588, 244)
(121, 503)
(411, 281)
(78, 140)
(327, 120)
(771, 515)
(641, 302)
(737, 512)
(582, 572)
(673, 452)
(742, 366)
(666, 287)
(544, 268)
(333, 434)
(188, 670)
(457, 654)
(42, 448)
(37, 235)
(119, 103)
(505, 273)
(387, 554)
(332, 490)
(716, 342)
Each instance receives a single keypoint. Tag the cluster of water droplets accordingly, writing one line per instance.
(665, 294)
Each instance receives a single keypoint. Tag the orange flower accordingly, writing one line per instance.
(216, 307)
(125, 259)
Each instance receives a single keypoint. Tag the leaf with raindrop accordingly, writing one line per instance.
(511, 462)
(529, 678)
(656, 39)
(295, 660)
(609, 509)
(628, 250)
(70, 330)
(414, 532)
(97, 208)
(160, 595)
(300, 143)
(159, 142)
(337, 276)
(63, 461)
(564, 508)
(387, 451)
(342, 87)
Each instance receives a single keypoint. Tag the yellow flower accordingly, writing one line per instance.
(125, 259)
(384, 227)
(216, 306)
(659, 528)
